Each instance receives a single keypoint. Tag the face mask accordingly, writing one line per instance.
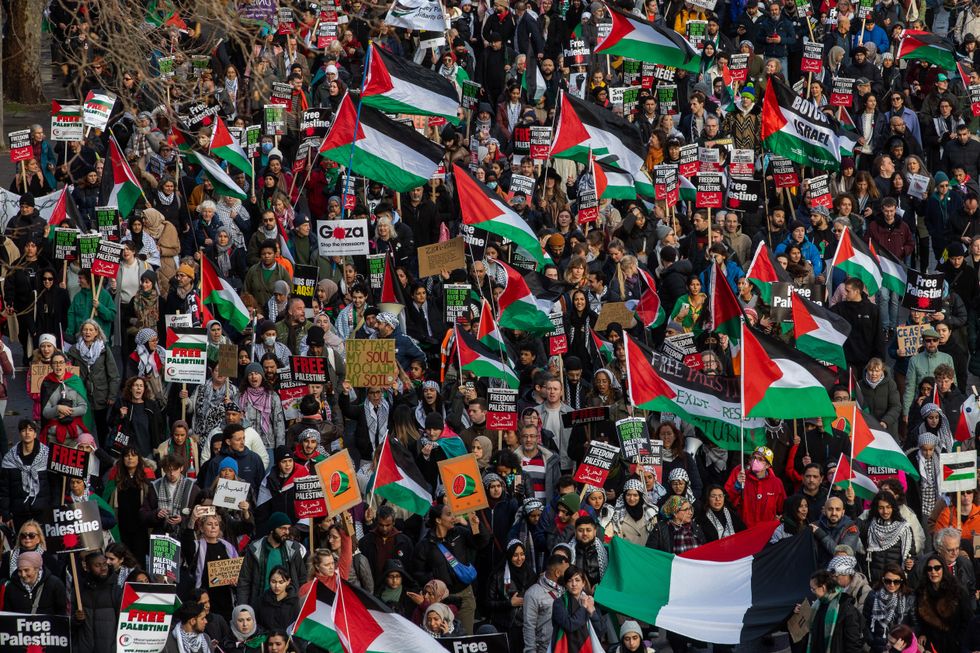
(266, 148)
(491, 185)
(756, 466)
(269, 341)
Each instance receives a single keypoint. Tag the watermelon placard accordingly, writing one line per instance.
(464, 487)
(338, 482)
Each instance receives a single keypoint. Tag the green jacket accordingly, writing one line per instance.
(81, 309)
(260, 287)
(922, 365)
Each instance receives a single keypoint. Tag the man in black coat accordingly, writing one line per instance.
(673, 281)
(962, 151)
(419, 214)
(866, 339)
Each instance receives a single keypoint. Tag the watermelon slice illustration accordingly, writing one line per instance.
(463, 485)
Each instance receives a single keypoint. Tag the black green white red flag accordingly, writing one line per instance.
(640, 40)
(396, 85)
(581, 127)
(853, 257)
(796, 129)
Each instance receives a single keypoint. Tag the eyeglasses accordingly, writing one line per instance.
(28, 536)
(686, 509)
(47, 278)
(934, 568)
(930, 340)
(891, 581)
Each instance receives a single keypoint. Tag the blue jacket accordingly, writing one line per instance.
(809, 250)
(783, 28)
(733, 272)
(875, 35)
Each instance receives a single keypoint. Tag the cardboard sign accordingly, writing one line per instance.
(342, 237)
(540, 142)
(596, 465)
(73, 527)
(959, 471)
(909, 339)
(20, 145)
(66, 123)
(448, 255)
(224, 572)
(304, 285)
(812, 57)
(464, 484)
(842, 92)
(820, 192)
(228, 360)
(67, 461)
(41, 370)
(614, 312)
(710, 191)
(185, 365)
(107, 258)
(308, 500)
(557, 339)
(97, 108)
(338, 480)
(44, 633)
(229, 493)
(371, 363)
(798, 624)
(585, 416)
(494, 643)
(923, 292)
(502, 409)
(308, 369)
(66, 244)
(164, 558)
(144, 617)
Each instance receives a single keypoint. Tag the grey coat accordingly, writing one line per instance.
(101, 379)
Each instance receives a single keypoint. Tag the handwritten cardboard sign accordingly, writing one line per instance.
(448, 255)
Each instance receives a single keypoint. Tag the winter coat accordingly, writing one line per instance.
(662, 536)
(252, 578)
(763, 498)
(428, 560)
(846, 636)
(101, 378)
(14, 502)
(882, 401)
(277, 615)
(97, 633)
(539, 601)
(49, 594)
(878, 560)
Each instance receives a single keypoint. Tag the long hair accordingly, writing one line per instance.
(123, 479)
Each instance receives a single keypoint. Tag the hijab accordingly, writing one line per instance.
(239, 635)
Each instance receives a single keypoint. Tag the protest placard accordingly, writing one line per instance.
(67, 461)
(371, 363)
(614, 312)
(252, 141)
(448, 255)
(182, 364)
(493, 643)
(710, 191)
(308, 369)
(20, 145)
(73, 527)
(228, 360)
(464, 484)
(633, 437)
(164, 558)
(338, 480)
(290, 393)
(65, 243)
(342, 237)
(456, 301)
(304, 285)
(107, 221)
(738, 64)
(308, 500)
(742, 163)
(145, 613)
(654, 459)
(812, 57)
(923, 292)
(784, 173)
(107, 258)
(842, 92)
(229, 493)
(502, 409)
(274, 120)
(909, 339)
(697, 31)
(667, 99)
(97, 108)
(66, 122)
(224, 572)
(41, 370)
(585, 416)
(820, 192)
(27, 633)
(959, 471)
(540, 142)
(596, 465)
(975, 99)
(376, 270)
(471, 94)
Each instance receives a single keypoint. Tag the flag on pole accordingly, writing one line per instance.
(846, 476)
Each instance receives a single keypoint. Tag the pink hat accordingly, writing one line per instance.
(86, 438)
(33, 558)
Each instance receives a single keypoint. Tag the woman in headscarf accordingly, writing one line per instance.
(529, 530)
(232, 216)
(891, 604)
(146, 247)
(633, 518)
(923, 492)
(181, 444)
(579, 321)
(439, 622)
(145, 306)
(934, 421)
(679, 484)
(97, 367)
(595, 502)
(887, 536)
(717, 518)
(435, 591)
(793, 520)
(835, 623)
(507, 586)
(676, 457)
(34, 590)
(245, 630)
(607, 391)
(227, 258)
(262, 408)
(482, 450)
(164, 233)
(146, 361)
(942, 607)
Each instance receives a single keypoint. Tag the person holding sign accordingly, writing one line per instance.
(64, 402)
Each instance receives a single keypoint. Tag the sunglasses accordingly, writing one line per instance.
(47, 278)
(934, 568)
(28, 536)
(891, 581)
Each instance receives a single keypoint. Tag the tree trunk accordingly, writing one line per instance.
(22, 53)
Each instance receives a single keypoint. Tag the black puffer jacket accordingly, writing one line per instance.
(882, 401)
(49, 594)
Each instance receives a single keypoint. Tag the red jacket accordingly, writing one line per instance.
(760, 500)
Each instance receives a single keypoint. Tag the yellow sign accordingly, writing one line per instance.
(339, 481)
(463, 483)
(371, 363)
(224, 572)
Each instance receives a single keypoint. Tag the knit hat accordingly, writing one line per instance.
(928, 439)
(47, 337)
(149, 274)
(33, 558)
(278, 519)
(186, 269)
(491, 477)
(228, 463)
(282, 452)
(434, 421)
(940, 177)
(314, 337)
(929, 408)
(143, 336)
(589, 490)
(570, 501)
(630, 626)
(310, 434)
(430, 385)
(531, 504)
(253, 367)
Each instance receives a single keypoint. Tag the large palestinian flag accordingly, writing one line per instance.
(640, 40)
(480, 207)
(223, 184)
(581, 127)
(926, 46)
(645, 388)
(707, 593)
(396, 85)
(854, 258)
(796, 129)
(519, 308)
(475, 358)
(384, 151)
(780, 382)
(765, 271)
(397, 478)
(819, 332)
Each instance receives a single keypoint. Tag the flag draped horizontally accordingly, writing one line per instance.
(854, 258)
(396, 85)
(227, 148)
(926, 46)
(794, 127)
(475, 358)
(819, 332)
(482, 208)
(717, 600)
(218, 293)
(581, 127)
(223, 184)
(120, 187)
(384, 151)
(519, 308)
(397, 478)
(637, 39)
(780, 382)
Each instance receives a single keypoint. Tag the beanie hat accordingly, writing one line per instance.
(434, 421)
(33, 558)
(570, 501)
(630, 626)
(228, 463)
(253, 367)
(278, 519)
(941, 177)
(186, 269)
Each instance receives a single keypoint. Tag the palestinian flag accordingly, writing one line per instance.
(223, 184)
(314, 623)
(227, 148)
(488, 333)
(644, 185)
(396, 85)
(688, 193)
(611, 183)
(580, 641)
(481, 207)
(226, 302)
(846, 476)
(780, 382)
(64, 214)
(795, 128)
(384, 150)
(847, 132)
(533, 85)
(966, 427)
(959, 471)
(635, 38)
(392, 297)
(483, 363)
(877, 448)
(649, 310)
(66, 112)
(603, 348)
(765, 271)
(819, 332)
(646, 389)
(180, 139)
(149, 597)
(926, 46)
(397, 478)
(716, 598)
(519, 308)
(581, 127)
(854, 258)
(725, 311)
(120, 187)
(893, 275)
